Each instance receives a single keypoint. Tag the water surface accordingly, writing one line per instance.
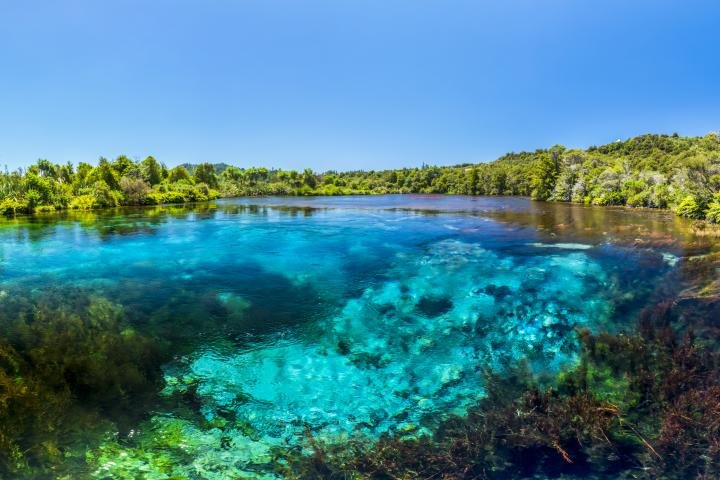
(284, 319)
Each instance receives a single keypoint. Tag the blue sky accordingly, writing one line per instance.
(349, 84)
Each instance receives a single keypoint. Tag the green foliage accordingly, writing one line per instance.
(649, 171)
(713, 211)
(179, 174)
(135, 190)
(32, 200)
(44, 208)
(104, 195)
(691, 207)
(173, 196)
(104, 173)
(544, 174)
(10, 206)
(151, 171)
(124, 166)
(205, 173)
(82, 202)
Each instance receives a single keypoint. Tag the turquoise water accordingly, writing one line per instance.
(333, 318)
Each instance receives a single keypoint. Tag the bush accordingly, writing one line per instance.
(154, 198)
(42, 186)
(201, 192)
(11, 206)
(173, 197)
(659, 196)
(45, 208)
(691, 207)
(135, 190)
(608, 198)
(639, 199)
(105, 196)
(82, 202)
(179, 173)
(713, 212)
(32, 200)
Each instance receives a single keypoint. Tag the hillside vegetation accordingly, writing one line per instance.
(653, 171)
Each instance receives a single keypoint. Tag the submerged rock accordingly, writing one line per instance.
(498, 292)
(434, 306)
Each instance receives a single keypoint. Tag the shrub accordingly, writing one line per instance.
(691, 207)
(179, 173)
(135, 190)
(45, 208)
(32, 200)
(154, 198)
(603, 198)
(640, 199)
(105, 196)
(82, 202)
(11, 206)
(659, 196)
(42, 186)
(713, 212)
(173, 197)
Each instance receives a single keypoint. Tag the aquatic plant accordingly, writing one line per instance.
(25, 409)
(171, 448)
(69, 363)
(638, 405)
(78, 341)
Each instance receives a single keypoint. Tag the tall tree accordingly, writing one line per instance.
(151, 170)
(205, 173)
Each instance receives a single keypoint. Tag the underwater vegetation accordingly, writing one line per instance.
(69, 364)
(639, 404)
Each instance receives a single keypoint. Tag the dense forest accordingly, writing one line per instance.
(652, 171)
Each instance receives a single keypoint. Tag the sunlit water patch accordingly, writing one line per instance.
(288, 324)
(408, 348)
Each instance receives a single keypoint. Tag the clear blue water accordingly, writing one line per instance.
(335, 316)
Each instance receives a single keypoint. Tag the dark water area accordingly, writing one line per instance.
(217, 340)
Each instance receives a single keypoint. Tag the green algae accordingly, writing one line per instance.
(173, 449)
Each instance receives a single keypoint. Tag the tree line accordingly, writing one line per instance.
(652, 171)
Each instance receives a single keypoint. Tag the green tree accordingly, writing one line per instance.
(179, 174)
(124, 166)
(205, 173)
(151, 170)
(104, 173)
(309, 178)
(543, 175)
